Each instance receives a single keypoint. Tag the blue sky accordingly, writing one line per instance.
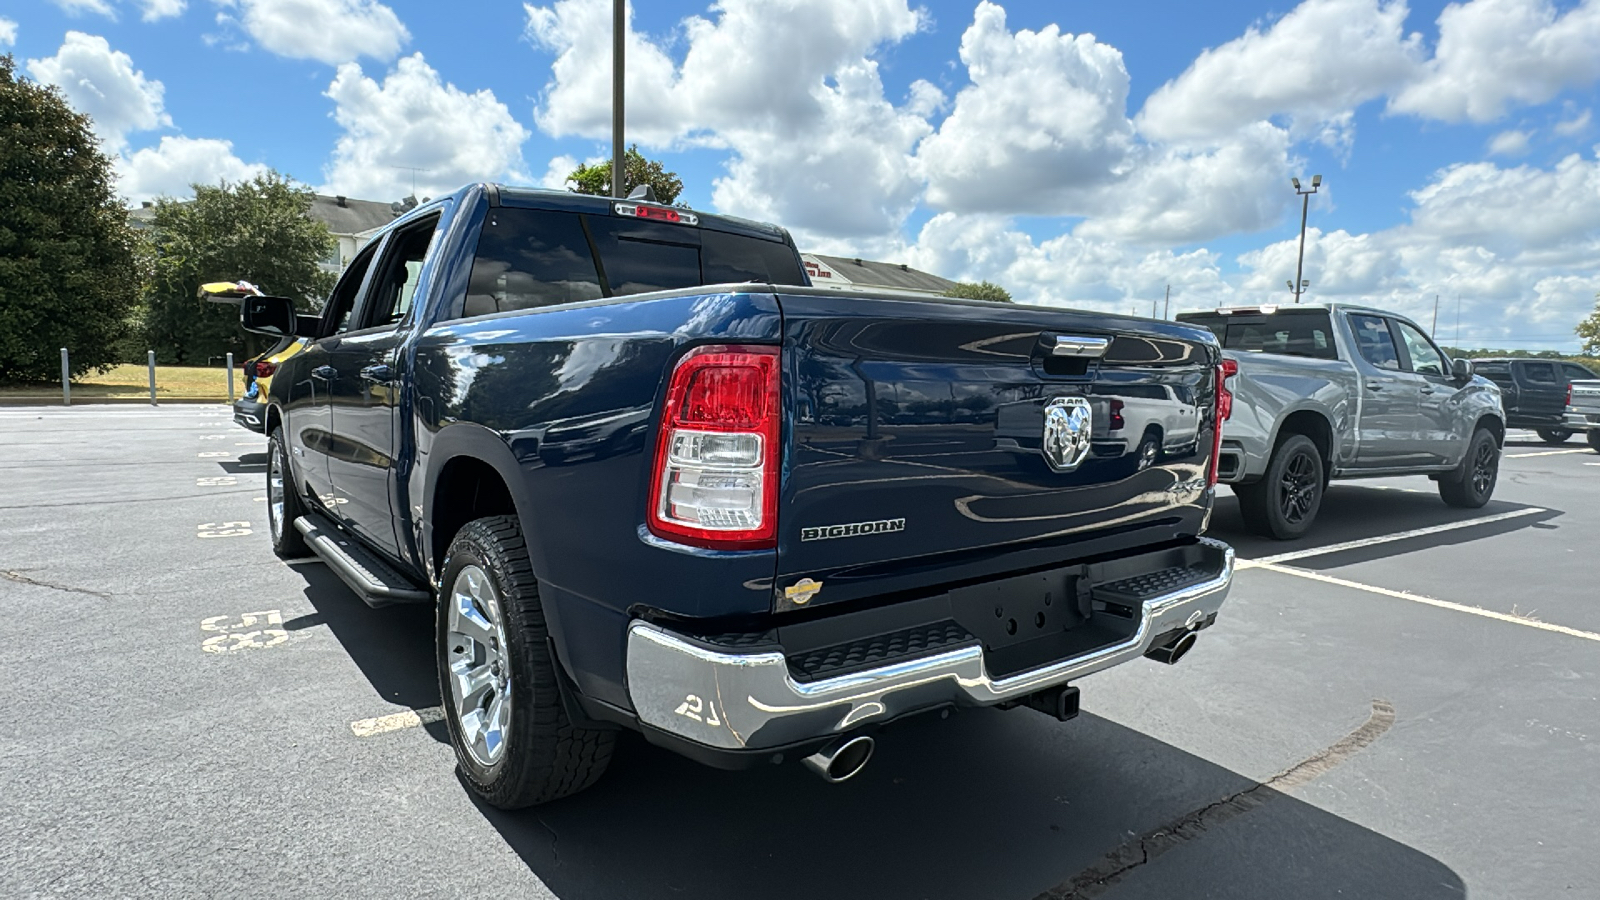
(975, 139)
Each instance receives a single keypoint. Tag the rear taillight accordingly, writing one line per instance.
(262, 369)
(1228, 369)
(715, 482)
(1116, 421)
(1569, 393)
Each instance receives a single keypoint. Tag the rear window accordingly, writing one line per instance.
(1287, 333)
(1539, 373)
(1574, 372)
(530, 258)
(1493, 370)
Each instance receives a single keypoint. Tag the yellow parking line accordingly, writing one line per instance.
(411, 718)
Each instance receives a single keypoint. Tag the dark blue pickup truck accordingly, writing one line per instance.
(653, 480)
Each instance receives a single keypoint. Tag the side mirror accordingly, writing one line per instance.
(268, 315)
(1461, 369)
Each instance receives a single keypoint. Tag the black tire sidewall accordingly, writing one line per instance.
(1593, 438)
(1293, 446)
(1553, 435)
(1459, 490)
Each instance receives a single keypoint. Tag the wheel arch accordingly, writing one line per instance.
(471, 474)
(1314, 424)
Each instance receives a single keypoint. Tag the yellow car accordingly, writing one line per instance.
(250, 409)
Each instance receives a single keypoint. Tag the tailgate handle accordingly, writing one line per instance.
(1077, 347)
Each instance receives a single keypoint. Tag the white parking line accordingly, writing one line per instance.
(411, 718)
(1398, 536)
(1418, 598)
(1544, 453)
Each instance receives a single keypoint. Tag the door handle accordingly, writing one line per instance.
(1374, 385)
(326, 373)
(379, 374)
(1427, 389)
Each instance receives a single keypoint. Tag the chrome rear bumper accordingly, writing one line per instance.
(750, 701)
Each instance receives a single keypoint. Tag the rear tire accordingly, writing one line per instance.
(514, 743)
(1594, 440)
(1284, 503)
(1471, 485)
(1553, 435)
(283, 501)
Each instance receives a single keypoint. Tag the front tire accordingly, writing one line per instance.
(1284, 503)
(1471, 485)
(1594, 440)
(514, 742)
(1553, 435)
(283, 501)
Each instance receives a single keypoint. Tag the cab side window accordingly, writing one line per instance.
(394, 285)
(342, 302)
(1375, 342)
(1574, 372)
(1425, 358)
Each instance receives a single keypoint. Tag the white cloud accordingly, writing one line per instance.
(555, 176)
(416, 121)
(1483, 204)
(1494, 54)
(1044, 120)
(169, 168)
(8, 32)
(330, 31)
(1324, 58)
(1180, 195)
(815, 143)
(79, 7)
(102, 83)
(161, 9)
(1509, 143)
(1576, 125)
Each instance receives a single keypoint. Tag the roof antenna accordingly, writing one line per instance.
(644, 193)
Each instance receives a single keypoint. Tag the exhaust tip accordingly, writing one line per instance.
(841, 760)
(1174, 651)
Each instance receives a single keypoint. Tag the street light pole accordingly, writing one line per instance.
(619, 26)
(1299, 284)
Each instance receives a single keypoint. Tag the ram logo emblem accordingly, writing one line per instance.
(1068, 430)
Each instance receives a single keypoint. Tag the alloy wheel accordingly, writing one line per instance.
(480, 669)
(275, 496)
(1297, 488)
(1484, 465)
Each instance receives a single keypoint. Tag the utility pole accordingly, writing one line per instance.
(1166, 309)
(1435, 329)
(619, 33)
(1299, 284)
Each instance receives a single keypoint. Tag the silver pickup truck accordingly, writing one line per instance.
(1338, 391)
(1583, 410)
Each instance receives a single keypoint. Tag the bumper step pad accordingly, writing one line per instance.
(866, 653)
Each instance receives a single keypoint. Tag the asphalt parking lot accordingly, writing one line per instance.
(1407, 704)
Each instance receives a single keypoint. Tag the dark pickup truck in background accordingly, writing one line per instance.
(653, 480)
(1534, 392)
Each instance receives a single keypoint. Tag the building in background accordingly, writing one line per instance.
(846, 274)
(353, 223)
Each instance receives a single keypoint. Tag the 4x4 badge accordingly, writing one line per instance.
(801, 592)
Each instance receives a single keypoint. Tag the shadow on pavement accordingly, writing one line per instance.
(987, 805)
(393, 646)
(1355, 512)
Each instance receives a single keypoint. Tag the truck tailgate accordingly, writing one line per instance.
(935, 441)
(1585, 400)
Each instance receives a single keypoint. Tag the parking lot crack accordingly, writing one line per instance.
(1102, 876)
(20, 578)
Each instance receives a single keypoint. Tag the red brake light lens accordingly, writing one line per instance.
(1228, 369)
(264, 369)
(1116, 420)
(715, 480)
(656, 213)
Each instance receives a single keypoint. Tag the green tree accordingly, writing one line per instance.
(981, 290)
(637, 170)
(1589, 330)
(69, 273)
(259, 231)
